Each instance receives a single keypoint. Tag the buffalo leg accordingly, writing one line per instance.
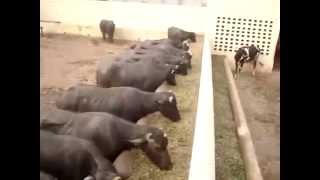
(103, 35)
(189, 64)
(241, 65)
(236, 70)
(254, 66)
(111, 37)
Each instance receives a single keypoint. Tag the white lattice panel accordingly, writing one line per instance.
(236, 23)
(232, 33)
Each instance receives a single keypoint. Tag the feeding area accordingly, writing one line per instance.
(68, 60)
(159, 90)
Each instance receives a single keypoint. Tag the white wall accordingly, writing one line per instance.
(250, 9)
(140, 21)
(144, 20)
(176, 2)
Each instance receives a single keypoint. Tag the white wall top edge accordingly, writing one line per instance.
(202, 165)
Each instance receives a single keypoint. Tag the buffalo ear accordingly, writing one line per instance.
(137, 141)
(148, 138)
(117, 178)
(89, 178)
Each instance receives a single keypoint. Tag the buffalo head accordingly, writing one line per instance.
(154, 144)
(171, 77)
(192, 37)
(183, 67)
(167, 105)
(186, 45)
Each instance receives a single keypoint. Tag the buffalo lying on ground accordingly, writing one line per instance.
(110, 134)
(169, 43)
(126, 102)
(156, 55)
(73, 158)
(164, 46)
(65, 157)
(144, 75)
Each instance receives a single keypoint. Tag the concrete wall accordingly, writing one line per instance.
(140, 21)
(176, 2)
(260, 10)
(134, 21)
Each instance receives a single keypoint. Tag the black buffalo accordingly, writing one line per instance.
(72, 158)
(46, 176)
(183, 45)
(144, 75)
(107, 27)
(156, 55)
(178, 36)
(126, 102)
(165, 46)
(65, 157)
(111, 134)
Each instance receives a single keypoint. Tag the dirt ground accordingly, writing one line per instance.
(260, 97)
(66, 60)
